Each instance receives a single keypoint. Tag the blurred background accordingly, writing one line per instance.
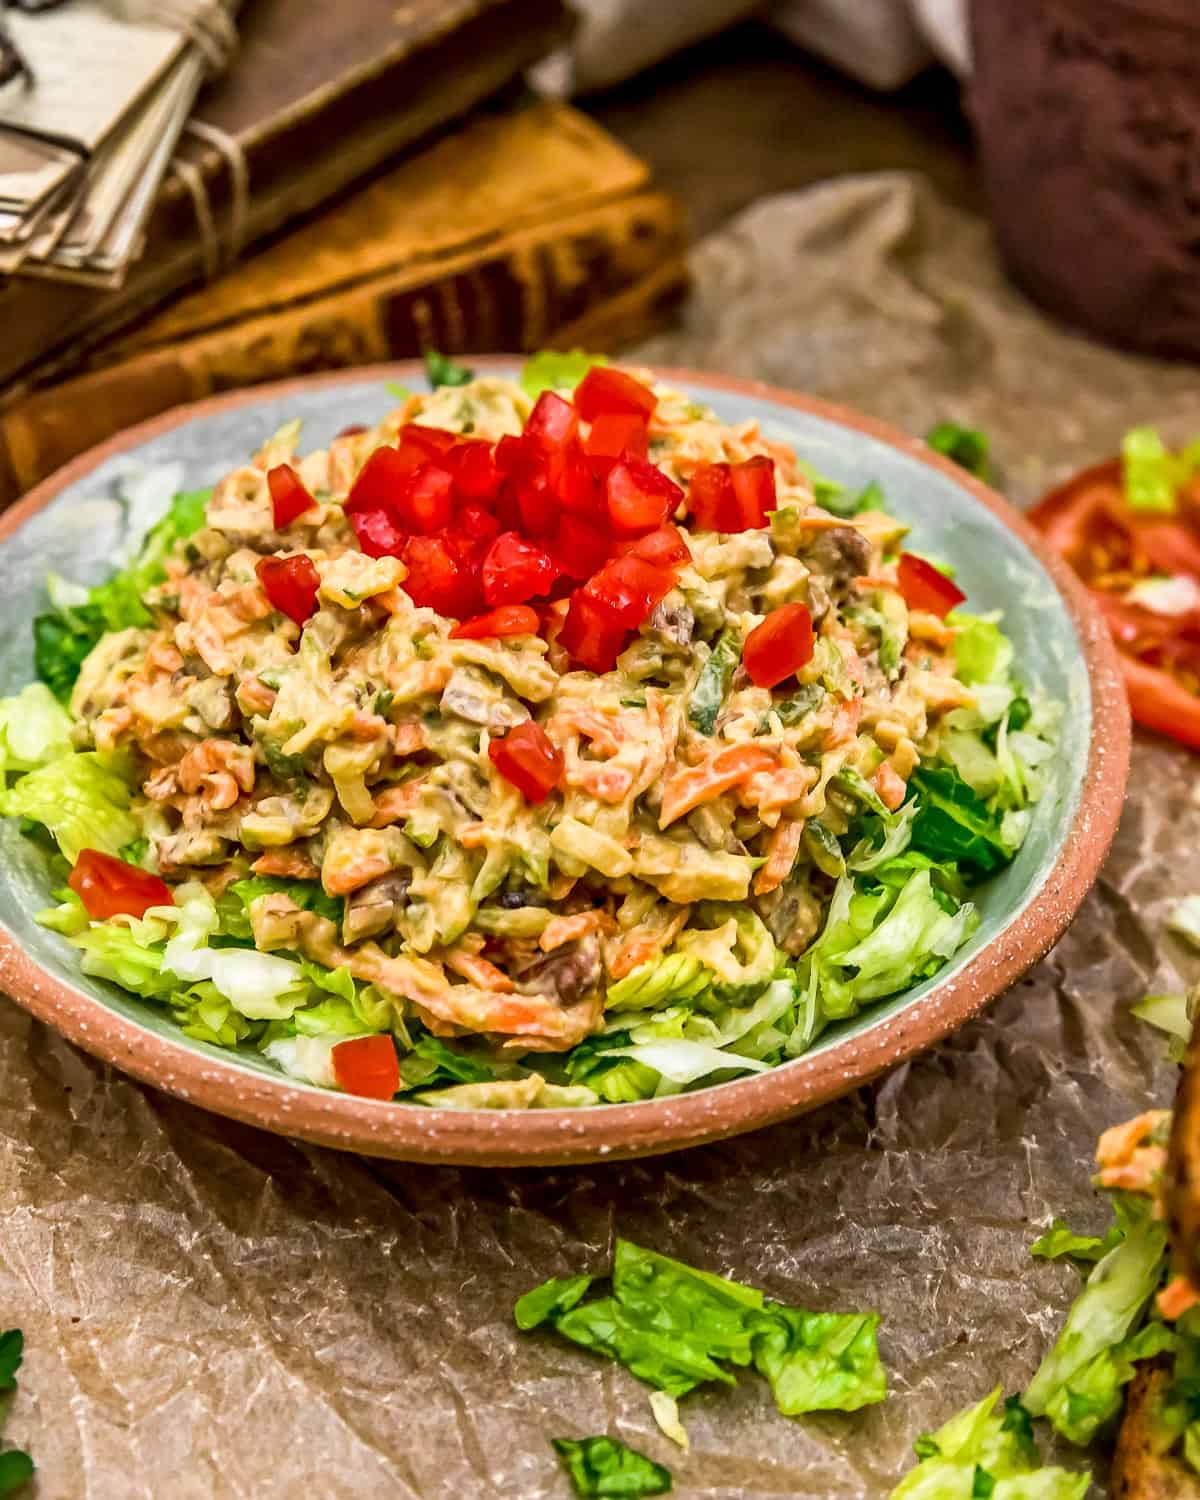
(300, 187)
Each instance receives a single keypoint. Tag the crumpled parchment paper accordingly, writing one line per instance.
(212, 1313)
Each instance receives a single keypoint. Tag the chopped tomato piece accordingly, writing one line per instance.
(108, 887)
(378, 535)
(476, 525)
(665, 547)
(289, 496)
(515, 455)
(605, 391)
(573, 481)
(378, 482)
(473, 464)
(753, 492)
(710, 497)
(528, 759)
(591, 634)
(553, 422)
(629, 588)
(925, 587)
(780, 646)
(579, 549)
(425, 503)
(640, 496)
(440, 578)
(515, 570)
(614, 433)
(536, 504)
(421, 445)
(291, 584)
(509, 619)
(367, 1066)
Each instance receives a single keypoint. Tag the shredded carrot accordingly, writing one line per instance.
(782, 849)
(890, 787)
(560, 930)
(293, 863)
(604, 730)
(845, 724)
(1119, 1142)
(408, 738)
(394, 802)
(473, 835)
(478, 971)
(643, 943)
(1177, 1297)
(719, 773)
(768, 791)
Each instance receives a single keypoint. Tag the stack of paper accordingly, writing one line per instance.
(88, 132)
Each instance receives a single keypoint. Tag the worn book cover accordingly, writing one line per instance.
(525, 228)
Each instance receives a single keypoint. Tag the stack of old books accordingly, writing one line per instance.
(435, 205)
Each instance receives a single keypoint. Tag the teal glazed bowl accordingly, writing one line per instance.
(71, 524)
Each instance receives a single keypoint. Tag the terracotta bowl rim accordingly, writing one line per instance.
(617, 1131)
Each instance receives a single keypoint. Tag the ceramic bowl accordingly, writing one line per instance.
(72, 525)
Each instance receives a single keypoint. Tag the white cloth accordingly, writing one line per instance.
(882, 43)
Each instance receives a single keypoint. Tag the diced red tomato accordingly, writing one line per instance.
(476, 525)
(579, 549)
(514, 455)
(291, 584)
(553, 422)
(536, 504)
(591, 634)
(614, 433)
(710, 496)
(527, 758)
(515, 570)
(378, 483)
(573, 481)
(425, 503)
(665, 547)
(367, 1066)
(108, 887)
(605, 391)
(509, 619)
(422, 445)
(378, 535)
(473, 464)
(753, 492)
(289, 496)
(925, 587)
(440, 578)
(779, 646)
(629, 588)
(640, 496)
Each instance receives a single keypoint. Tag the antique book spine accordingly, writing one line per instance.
(609, 273)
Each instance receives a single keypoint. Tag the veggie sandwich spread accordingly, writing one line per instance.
(550, 743)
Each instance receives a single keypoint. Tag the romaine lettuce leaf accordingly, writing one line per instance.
(1075, 1383)
(80, 798)
(556, 370)
(980, 1453)
(34, 730)
(549, 1300)
(819, 1361)
(954, 824)
(967, 446)
(604, 1466)
(982, 652)
(1060, 1242)
(1173, 1014)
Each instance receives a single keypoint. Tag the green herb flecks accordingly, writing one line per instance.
(712, 685)
(442, 370)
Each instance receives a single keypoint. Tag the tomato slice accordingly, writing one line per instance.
(924, 587)
(516, 570)
(527, 758)
(629, 588)
(509, 619)
(291, 584)
(289, 496)
(640, 496)
(779, 646)
(590, 634)
(605, 391)
(108, 887)
(367, 1066)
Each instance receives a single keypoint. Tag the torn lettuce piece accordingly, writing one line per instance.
(979, 1454)
(712, 685)
(604, 1466)
(967, 446)
(1095, 1393)
(819, 1361)
(1174, 1014)
(1149, 474)
(556, 370)
(955, 824)
(550, 1300)
(442, 370)
(81, 798)
(1077, 1383)
(982, 652)
(1060, 1242)
(35, 729)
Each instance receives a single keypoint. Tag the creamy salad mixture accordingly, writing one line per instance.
(550, 743)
